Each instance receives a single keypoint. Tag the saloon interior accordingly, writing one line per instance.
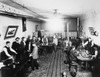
(49, 38)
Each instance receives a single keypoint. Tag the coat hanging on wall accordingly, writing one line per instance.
(24, 24)
(39, 34)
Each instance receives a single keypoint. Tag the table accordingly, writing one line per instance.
(46, 49)
(86, 58)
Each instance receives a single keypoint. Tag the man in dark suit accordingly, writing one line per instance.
(23, 49)
(16, 47)
(23, 45)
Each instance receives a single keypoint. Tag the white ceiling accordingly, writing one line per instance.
(65, 7)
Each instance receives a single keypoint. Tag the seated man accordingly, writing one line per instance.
(95, 53)
(73, 54)
(94, 63)
(73, 61)
(9, 53)
(68, 47)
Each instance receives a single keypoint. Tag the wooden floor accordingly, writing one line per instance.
(57, 65)
(53, 65)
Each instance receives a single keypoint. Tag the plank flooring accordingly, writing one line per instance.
(53, 65)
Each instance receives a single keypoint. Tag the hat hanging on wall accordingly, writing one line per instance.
(95, 33)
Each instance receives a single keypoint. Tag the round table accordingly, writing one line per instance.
(85, 59)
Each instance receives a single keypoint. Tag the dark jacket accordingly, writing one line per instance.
(16, 46)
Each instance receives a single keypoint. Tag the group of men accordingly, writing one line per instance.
(20, 51)
(86, 44)
(24, 48)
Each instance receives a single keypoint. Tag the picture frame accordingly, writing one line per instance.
(91, 29)
(11, 32)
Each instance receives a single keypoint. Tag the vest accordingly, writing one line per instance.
(4, 56)
(8, 50)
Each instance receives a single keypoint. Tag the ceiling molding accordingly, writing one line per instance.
(22, 8)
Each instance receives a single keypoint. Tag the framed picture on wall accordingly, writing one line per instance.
(11, 32)
(91, 29)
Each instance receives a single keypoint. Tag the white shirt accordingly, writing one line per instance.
(55, 41)
(35, 53)
(6, 52)
(96, 53)
(66, 43)
(45, 41)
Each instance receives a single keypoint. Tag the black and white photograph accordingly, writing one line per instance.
(49, 38)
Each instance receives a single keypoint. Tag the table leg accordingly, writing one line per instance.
(86, 65)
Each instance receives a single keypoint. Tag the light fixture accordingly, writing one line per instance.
(55, 11)
(55, 23)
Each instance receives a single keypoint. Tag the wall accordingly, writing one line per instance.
(72, 22)
(6, 21)
(92, 19)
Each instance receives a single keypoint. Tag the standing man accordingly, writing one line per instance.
(45, 40)
(16, 47)
(28, 42)
(35, 57)
(16, 44)
(23, 48)
(55, 42)
(23, 44)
